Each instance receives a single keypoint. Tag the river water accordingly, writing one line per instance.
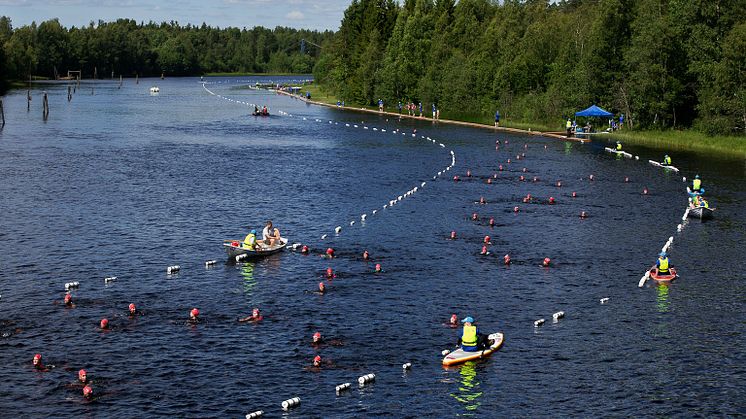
(118, 182)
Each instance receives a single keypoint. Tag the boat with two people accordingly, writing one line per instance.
(260, 112)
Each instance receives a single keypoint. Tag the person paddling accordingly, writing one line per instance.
(662, 264)
(618, 146)
(666, 160)
(697, 184)
(471, 339)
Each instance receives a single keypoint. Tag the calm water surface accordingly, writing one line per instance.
(122, 183)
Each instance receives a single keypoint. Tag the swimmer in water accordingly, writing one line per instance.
(39, 365)
(453, 322)
(366, 255)
(330, 273)
(104, 324)
(132, 310)
(69, 300)
(193, 316)
(330, 253)
(318, 341)
(83, 376)
(256, 316)
(322, 288)
(88, 392)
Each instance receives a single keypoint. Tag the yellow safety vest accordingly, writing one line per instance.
(469, 338)
(250, 241)
(569, 124)
(704, 203)
(619, 147)
(663, 265)
(697, 184)
(667, 161)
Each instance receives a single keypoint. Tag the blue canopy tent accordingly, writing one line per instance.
(594, 111)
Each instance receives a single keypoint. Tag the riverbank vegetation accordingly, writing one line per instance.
(665, 65)
(148, 49)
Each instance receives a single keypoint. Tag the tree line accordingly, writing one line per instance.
(662, 63)
(148, 49)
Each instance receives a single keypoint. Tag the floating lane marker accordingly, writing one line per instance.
(173, 269)
(210, 263)
(254, 415)
(366, 379)
(539, 323)
(290, 403)
(558, 315)
(407, 366)
(604, 300)
(342, 387)
(110, 279)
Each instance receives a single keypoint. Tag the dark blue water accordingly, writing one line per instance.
(122, 183)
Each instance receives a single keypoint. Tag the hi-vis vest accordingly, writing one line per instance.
(569, 124)
(697, 184)
(667, 161)
(469, 338)
(250, 241)
(619, 147)
(663, 265)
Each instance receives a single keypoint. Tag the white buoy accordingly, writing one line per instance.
(679, 227)
(241, 257)
(76, 284)
(422, 185)
(539, 322)
(445, 352)
(254, 415)
(604, 300)
(363, 217)
(174, 269)
(365, 127)
(338, 229)
(558, 315)
(342, 387)
(352, 223)
(683, 179)
(385, 206)
(210, 262)
(290, 403)
(323, 236)
(406, 366)
(374, 212)
(637, 157)
(366, 379)
(355, 126)
(110, 279)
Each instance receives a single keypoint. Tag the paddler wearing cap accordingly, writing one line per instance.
(662, 263)
(471, 340)
(250, 241)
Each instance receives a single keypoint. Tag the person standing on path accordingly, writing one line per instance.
(497, 119)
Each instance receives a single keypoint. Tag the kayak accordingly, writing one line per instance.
(233, 248)
(670, 276)
(665, 166)
(460, 356)
(619, 153)
(701, 212)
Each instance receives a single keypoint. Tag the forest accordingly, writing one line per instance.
(663, 63)
(149, 49)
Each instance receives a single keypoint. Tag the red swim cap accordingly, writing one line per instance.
(132, 307)
(317, 359)
(104, 323)
(87, 391)
(81, 375)
(378, 267)
(304, 249)
(330, 251)
(68, 298)
(37, 357)
(194, 312)
(255, 312)
(317, 336)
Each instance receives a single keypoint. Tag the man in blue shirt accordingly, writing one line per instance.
(497, 119)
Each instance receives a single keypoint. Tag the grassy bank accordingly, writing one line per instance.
(666, 141)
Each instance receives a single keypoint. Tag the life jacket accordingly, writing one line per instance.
(703, 203)
(619, 147)
(663, 265)
(697, 184)
(250, 241)
(568, 124)
(667, 161)
(469, 338)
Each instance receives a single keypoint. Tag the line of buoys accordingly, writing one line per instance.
(406, 366)
(173, 269)
(254, 415)
(604, 300)
(290, 403)
(110, 279)
(342, 387)
(71, 285)
(210, 262)
(366, 379)
(539, 323)
(558, 315)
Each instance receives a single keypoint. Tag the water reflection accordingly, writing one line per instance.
(468, 391)
(662, 298)
(247, 272)
(568, 147)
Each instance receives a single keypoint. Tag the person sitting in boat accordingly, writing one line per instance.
(697, 184)
(250, 241)
(270, 235)
(702, 202)
(265, 112)
(618, 146)
(256, 110)
(471, 339)
(666, 160)
(662, 264)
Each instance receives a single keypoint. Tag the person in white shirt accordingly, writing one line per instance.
(270, 235)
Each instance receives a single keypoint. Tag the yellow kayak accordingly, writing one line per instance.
(460, 356)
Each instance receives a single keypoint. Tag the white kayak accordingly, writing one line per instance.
(665, 166)
(620, 153)
(460, 356)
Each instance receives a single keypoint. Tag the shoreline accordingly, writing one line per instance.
(446, 121)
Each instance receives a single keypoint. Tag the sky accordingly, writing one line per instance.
(306, 14)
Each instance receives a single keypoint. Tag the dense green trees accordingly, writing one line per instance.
(128, 48)
(663, 63)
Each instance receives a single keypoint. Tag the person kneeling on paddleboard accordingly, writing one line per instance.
(471, 340)
(618, 146)
(666, 160)
(662, 264)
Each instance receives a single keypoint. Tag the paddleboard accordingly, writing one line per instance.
(623, 153)
(655, 163)
(460, 356)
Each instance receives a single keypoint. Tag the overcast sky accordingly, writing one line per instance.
(309, 14)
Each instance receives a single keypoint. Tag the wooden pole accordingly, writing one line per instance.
(2, 114)
(120, 82)
(45, 108)
(137, 79)
(28, 100)
(69, 93)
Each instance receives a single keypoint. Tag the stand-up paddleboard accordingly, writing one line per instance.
(617, 152)
(665, 166)
(460, 356)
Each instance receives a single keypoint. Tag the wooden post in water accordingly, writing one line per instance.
(69, 93)
(120, 82)
(28, 100)
(162, 74)
(137, 78)
(95, 76)
(2, 114)
(45, 109)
